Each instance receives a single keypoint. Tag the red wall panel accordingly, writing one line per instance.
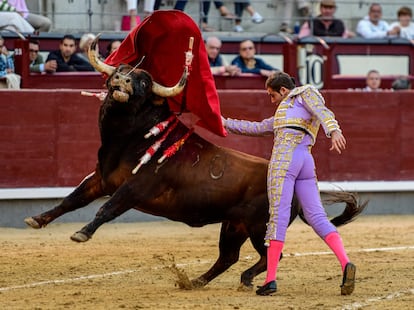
(51, 138)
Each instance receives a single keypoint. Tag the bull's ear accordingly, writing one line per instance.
(158, 100)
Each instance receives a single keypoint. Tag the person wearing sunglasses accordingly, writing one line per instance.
(249, 63)
(36, 60)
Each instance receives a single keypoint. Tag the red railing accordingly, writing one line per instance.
(319, 64)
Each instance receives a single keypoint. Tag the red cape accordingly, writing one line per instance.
(163, 39)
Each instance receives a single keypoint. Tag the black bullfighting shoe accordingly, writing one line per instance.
(267, 289)
(348, 280)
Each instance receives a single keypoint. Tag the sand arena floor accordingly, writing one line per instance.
(128, 266)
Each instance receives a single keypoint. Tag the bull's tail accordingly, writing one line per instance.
(353, 208)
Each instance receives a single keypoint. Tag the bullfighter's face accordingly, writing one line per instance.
(276, 97)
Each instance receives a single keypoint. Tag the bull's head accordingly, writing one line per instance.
(120, 83)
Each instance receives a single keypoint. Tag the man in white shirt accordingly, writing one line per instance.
(373, 27)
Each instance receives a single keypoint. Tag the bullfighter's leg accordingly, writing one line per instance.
(315, 214)
(86, 192)
(118, 204)
(232, 236)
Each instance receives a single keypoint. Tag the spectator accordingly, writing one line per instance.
(84, 43)
(302, 7)
(401, 83)
(373, 27)
(325, 24)
(66, 58)
(248, 63)
(218, 64)
(373, 81)
(239, 7)
(11, 20)
(405, 14)
(113, 45)
(36, 60)
(131, 20)
(39, 22)
(149, 6)
(7, 67)
(224, 12)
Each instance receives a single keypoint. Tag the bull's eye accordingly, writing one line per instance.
(143, 84)
(128, 80)
(116, 76)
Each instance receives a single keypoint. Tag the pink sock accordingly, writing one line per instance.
(334, 241)
(273, 255)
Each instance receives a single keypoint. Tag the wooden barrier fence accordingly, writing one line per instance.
(50, 137)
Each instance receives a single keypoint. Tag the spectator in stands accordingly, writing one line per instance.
(66, 58)
(36, 60)
(224, 12)
(239, 7)
(113, 45)
(405, 15)
(325, 24)
(373, 81)
(11, 20)
(39, 22)
(373, 27)
(288, 10)
(84, 43)
(248, 63)
(401, 83)
(7, 67)
(218, 64)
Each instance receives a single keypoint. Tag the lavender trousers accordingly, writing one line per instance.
(292, 170)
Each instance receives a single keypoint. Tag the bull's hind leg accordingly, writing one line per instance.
(118, 204)
(257, 233)
(232, 237)
(87, 191)
(257, 240)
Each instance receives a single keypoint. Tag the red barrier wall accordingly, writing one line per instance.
(50, 138)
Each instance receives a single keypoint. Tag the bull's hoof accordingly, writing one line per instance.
(245, 288)
(199, 282)
(79, 237)
(30, 221)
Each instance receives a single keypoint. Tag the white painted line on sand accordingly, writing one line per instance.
(123, 272)
(372, 300)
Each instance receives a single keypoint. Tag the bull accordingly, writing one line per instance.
(201, 184)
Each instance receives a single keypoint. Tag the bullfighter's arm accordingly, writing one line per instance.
(315, 104)
(249, 128)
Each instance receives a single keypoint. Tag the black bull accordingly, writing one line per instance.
(201, 184)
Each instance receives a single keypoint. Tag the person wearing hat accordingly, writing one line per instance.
(325, 24)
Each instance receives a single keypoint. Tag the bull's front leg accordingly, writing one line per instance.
(120, 202)
(86, 192)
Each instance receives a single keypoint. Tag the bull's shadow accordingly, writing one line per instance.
(200, 184)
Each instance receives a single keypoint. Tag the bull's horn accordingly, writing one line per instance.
(96, 62)
(171, 91)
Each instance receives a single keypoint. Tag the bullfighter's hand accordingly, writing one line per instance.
(223, 121)
(338, 141)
